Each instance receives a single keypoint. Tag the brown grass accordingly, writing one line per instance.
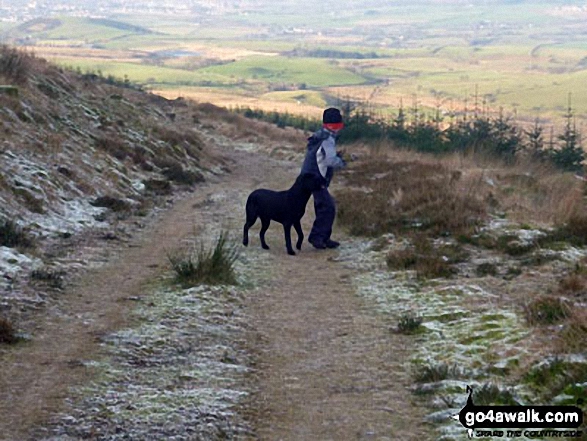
(238, 127)
(15, 65)
(113, 145)
(573, 334)
(389, 189)
(188, 139)
(7, 332)
(547, 310)
(428, 260)
(383, 196)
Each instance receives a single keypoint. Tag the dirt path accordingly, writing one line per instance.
(328, 367)
(35, 377)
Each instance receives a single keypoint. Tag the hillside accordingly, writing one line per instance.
(80, 156)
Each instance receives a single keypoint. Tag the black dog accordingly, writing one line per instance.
(286, 207)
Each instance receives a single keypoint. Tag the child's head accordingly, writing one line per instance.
(332, 119)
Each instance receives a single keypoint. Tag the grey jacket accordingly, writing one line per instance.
(321, 157)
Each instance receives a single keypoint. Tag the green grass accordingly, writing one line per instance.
(214, 266)
(87, 29)
(310, 97)
(521, 55)
(145, 74)
(311, 71)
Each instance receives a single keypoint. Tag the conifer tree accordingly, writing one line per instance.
(570, 155)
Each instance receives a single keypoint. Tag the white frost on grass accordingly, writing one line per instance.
(12, 262)
(177, 375)
(72, 216)
(464, 328)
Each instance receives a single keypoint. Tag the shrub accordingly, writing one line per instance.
(211, 266)
(12, 235)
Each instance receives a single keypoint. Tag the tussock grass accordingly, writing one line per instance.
(7, 331)
(201, 265)
(486, 269)
(115, 204)
(52, 278)
(437, 372)
(114, 146)
(574, 230)
(158, 186)
(13, 236)
(550, 377)
(573, 335)
(428, 260)
(547, 310)
(176, 173)
(187, 139)
(15, 65)
(491, 394)
(409, 324)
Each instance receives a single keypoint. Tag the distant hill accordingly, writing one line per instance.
(85, 29)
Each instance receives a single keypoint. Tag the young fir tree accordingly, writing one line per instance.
(535, 145)
(570, 155)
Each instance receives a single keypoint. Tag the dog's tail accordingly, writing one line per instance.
(251, 217)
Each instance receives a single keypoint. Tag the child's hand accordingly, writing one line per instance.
(342, 155)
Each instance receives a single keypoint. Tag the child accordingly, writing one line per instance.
(322, 160)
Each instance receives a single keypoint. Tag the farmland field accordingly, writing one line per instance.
(523, 57)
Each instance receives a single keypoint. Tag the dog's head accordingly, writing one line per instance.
(310, 182)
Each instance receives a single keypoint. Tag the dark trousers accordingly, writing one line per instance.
(325, 209)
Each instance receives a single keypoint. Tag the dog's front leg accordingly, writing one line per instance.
(287, 233)
(298, 228)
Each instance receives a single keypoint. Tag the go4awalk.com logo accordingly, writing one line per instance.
(534, 422)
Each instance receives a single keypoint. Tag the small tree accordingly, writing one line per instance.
(570, 156)
(506, 137)
(535, 145)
